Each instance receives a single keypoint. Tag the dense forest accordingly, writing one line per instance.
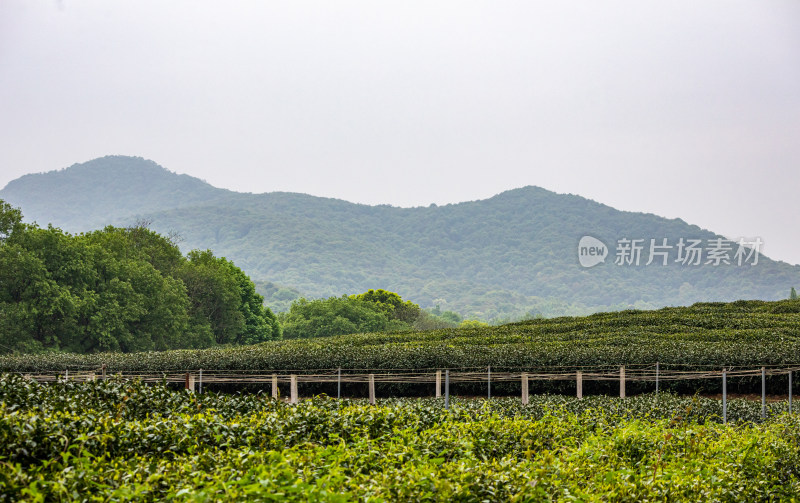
(119, 289)
(508, 257)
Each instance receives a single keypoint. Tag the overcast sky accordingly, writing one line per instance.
(680, 108)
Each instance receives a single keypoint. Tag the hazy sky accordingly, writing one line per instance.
(680, 108)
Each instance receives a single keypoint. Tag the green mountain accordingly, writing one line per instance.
(510, 255)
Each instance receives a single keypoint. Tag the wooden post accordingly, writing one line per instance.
(447, 388)
(200, 382)
(339, 383)
(372, 389)
(524, 388)
(579, 382)
(489, 382)
(104, 371)
(189, 382)
(622, 381)
(438, 383)
(724, 397)
(293, 388)
(763, 393)
(275, 386)
(790, 392)
(66, 375)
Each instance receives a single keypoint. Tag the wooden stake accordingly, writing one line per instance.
(724, 397)
(447, 389)
(372, 389)
(763, 393)
(524, 388)
(189, 382)
(489, 382)
(275, 386)
(579, 382)
(622, 381)
(438, 383)
(292, 388)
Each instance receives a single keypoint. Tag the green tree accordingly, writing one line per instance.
(332, 316)
(224, 299)
(140, 243)
(391, 304)
(10, 220)
(473, 324)
(119, 290)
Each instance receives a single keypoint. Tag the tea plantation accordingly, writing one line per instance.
(120, 440)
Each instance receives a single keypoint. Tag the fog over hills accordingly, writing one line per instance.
(503, 257)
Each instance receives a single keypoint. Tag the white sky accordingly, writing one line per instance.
(681, 108)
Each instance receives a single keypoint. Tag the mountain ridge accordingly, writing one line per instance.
(512, 254)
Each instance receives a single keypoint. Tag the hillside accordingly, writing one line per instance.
(742, 333)
(506, 256)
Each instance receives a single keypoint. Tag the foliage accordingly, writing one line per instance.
(793, 294)
(10, 220)
(340, 316)
(119, 440)
(707, 336)
(473, 324)
(121, 290)
(434, 318)
(391, 305)
(506, 257)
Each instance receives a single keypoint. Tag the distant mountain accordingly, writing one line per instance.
(90, 195)
(513, 254)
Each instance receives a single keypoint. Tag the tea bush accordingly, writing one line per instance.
(122, 440)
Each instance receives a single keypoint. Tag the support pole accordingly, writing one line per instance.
(275, 386)
(447, 389)
(339, 383)
(372, 389)
(579, 383)
(724, 397)
(189, 382)
(524, 388)
(763, 393)
(622, 381)
(66, 375)
(489, 382)
(657, 375)
(104, 371)
(293, 388)
(438, 383)
(200, 383)
(790, 392)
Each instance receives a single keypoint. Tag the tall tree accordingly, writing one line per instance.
(10, 220)
(119, 290)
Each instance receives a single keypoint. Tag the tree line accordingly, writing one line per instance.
(119, 289)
